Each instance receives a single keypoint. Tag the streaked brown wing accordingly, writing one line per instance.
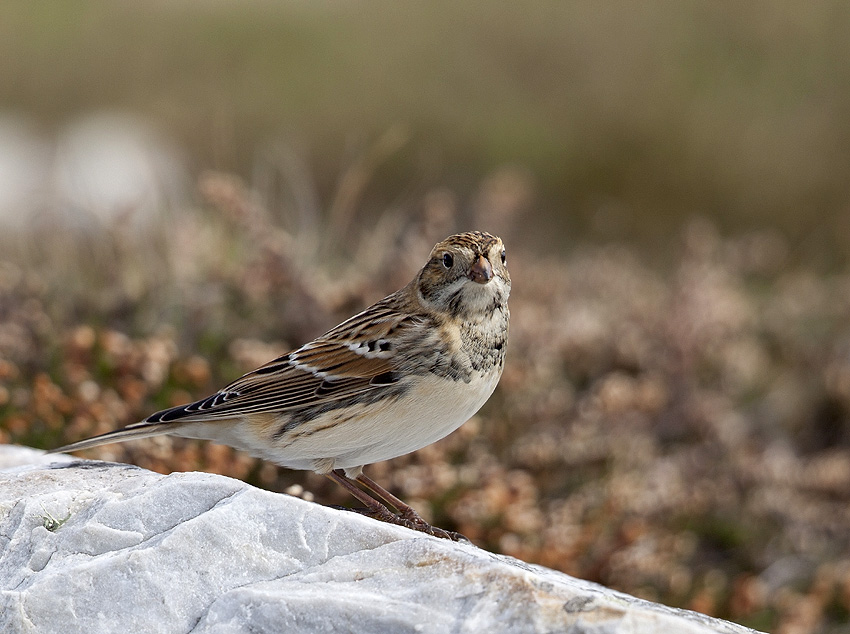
(332, 367)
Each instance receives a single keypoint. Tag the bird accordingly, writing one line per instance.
(396, 377)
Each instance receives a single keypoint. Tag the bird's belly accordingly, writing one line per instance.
(366, 433)
(347, 438)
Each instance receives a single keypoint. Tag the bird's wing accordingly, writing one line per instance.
(357, 356)
(360, 355)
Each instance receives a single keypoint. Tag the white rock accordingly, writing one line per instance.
(102, 547)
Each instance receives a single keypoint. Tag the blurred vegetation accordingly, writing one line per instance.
(671, 181)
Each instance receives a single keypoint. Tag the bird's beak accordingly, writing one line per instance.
(481, 271)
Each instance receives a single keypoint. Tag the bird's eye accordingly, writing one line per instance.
(504, 257)
(448, 260)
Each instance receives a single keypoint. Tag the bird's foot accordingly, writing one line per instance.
(416, 524)
(406, 516)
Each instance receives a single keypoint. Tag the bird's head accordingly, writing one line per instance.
(466, 276)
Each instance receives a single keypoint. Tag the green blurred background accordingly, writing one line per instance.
(187, 189)
(628, 116)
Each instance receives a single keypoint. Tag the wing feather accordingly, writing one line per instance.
(359, 355)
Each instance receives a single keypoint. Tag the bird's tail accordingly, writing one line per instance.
(131, 432)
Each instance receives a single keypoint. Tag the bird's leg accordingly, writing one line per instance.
(378, 511)
(405, 510)
(374, 507)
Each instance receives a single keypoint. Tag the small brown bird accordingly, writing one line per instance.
(398, 376)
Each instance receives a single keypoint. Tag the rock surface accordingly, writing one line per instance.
(101, 547)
